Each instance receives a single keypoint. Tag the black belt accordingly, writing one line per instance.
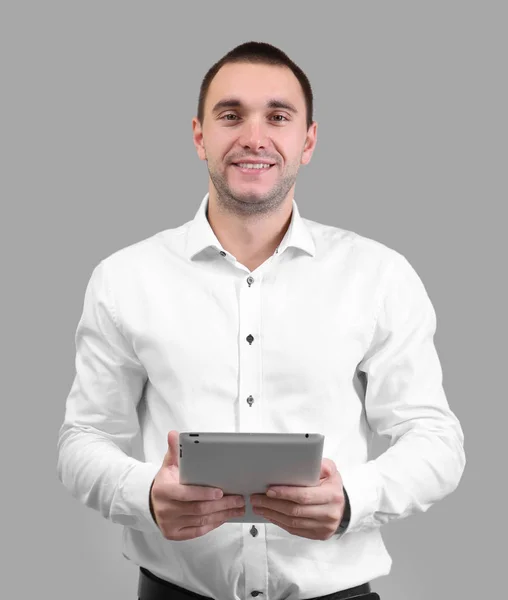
(152, 587)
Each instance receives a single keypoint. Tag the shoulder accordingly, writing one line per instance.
(332, 241)
(145, 254)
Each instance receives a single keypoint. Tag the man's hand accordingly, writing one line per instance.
(185, 512)
(311, 512)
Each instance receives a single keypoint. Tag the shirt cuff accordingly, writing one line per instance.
(132, 507)
(362, 484)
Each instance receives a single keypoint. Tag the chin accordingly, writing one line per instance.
(253, 192)
(250, 198)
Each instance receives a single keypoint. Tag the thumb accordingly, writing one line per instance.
(172, 455)
(328, 468)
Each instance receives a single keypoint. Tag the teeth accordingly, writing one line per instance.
(253, 166)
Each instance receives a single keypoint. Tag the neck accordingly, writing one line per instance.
(251, 239)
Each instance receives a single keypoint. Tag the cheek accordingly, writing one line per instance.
(217, 145)
(290, 147)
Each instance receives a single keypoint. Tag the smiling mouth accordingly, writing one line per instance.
(253, 169)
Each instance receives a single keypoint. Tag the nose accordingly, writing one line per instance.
(253, 135)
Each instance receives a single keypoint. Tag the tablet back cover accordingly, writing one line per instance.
(248, 463)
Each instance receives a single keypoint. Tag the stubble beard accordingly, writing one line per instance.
(252, 204)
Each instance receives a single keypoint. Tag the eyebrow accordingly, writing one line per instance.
(236, 103)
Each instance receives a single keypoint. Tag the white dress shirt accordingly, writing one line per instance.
(343, 346)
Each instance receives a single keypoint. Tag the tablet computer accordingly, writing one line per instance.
(249, 463)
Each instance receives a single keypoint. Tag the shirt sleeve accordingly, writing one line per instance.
(95, 439)
(406, 403)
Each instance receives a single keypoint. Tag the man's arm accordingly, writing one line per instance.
(101, 421)
(405, 402)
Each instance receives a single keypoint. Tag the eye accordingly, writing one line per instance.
(225, 117)
(283, 118)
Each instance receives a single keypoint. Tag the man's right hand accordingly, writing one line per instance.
(185, 512)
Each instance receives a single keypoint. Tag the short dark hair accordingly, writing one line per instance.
(260, 53)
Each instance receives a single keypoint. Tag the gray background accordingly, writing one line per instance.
(96, 107)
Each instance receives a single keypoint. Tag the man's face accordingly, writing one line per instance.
(254, 114)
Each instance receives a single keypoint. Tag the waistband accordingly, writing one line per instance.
(152, 587)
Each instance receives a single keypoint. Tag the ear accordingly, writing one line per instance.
(197, 137)
(310, 144)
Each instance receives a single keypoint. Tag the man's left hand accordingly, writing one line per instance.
(313, 512)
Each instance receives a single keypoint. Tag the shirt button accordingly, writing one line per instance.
(250, 280)
(250, 400)
(249, 338)
(253, 531)
(222, 253)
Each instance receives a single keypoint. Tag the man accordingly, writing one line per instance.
(251, 318)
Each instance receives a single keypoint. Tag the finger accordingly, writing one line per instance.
(204, 521)
(172, 455)
(189, 533)
(307, 528)
(226, 505)
(311, 534)
(288, 511)
(321, 494)
(328, 468)
(190, 493)
(186, 493)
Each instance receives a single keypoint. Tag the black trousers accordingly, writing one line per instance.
(152, 587)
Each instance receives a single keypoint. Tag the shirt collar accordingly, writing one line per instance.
(201, 236)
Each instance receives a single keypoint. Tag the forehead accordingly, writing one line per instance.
(254, 84)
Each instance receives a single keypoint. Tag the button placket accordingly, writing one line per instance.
(250, 418)
(250, 353)
(255, 568)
